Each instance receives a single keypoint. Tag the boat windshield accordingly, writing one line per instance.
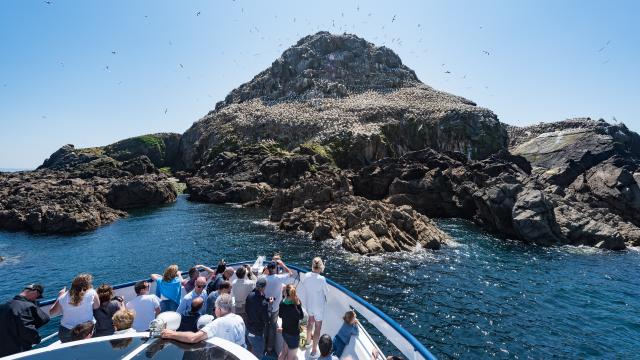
(134, 348)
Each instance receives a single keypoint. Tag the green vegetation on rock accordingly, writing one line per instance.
(166, 170)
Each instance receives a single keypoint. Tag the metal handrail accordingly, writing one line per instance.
(417, 346)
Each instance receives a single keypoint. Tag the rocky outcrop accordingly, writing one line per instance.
(49, 202)
(323, 204)
(349, 96)
(140, 191)
(250, 175)
(161, 150)
(79, 190)
(57, 202)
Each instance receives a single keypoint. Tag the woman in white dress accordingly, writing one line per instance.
(314, 291)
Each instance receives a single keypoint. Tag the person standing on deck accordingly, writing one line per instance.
(273, 290)
(76, 305)
(225, 275)
(190, 284)
(291, 314)
(314, 293)
(198, 292)
(224, 288)
(169, 288)
(20, 319)
(145, 306)
(257, 314)
(241, 287)
(109, 305)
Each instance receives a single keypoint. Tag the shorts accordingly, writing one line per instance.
(292, 341)
(318, 313)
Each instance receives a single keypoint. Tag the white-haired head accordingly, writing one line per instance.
(224, 303)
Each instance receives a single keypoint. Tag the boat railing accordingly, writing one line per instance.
(340, 299)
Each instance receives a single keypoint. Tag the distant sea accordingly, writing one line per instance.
(12, 169)
(483, 298)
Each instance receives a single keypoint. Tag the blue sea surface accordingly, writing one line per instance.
(480, 298)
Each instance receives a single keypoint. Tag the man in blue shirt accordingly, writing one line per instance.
(198, 291)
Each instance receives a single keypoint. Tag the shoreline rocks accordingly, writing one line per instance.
(75, 191)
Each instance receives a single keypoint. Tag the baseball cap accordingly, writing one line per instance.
(36, 287)
(261, 283)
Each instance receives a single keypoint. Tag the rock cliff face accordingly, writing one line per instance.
(355, 99)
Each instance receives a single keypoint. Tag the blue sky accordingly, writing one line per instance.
(548, 60)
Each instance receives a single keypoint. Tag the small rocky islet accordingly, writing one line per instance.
(339, 139)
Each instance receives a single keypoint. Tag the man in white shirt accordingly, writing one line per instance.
(227, 326)
(145, 306)
(273, 290)
(198, 291)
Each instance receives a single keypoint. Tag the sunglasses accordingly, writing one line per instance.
(200, 286)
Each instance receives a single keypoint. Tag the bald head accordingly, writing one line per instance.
(196, 304)
(228, 273)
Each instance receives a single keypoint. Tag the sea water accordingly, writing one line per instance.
(482, 297)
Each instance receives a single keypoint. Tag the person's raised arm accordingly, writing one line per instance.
(207, 269)
(184, 336)
(96, 301)
(285, 268)
(155, 277)
(56, 308)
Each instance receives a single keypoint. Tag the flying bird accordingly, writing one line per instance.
(486, 52)
(165, 111)
(181, 66)
(113, 52)
(48, 2)
(198, 13)
(394, 18)
(447, 72)
(106, 68)
(605, 45)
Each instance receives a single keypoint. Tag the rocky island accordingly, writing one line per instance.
(339, 139)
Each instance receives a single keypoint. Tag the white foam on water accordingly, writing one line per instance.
(581, 249)
(266, 223)
(10, 260)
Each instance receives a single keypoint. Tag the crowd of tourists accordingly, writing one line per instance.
(245, 308)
